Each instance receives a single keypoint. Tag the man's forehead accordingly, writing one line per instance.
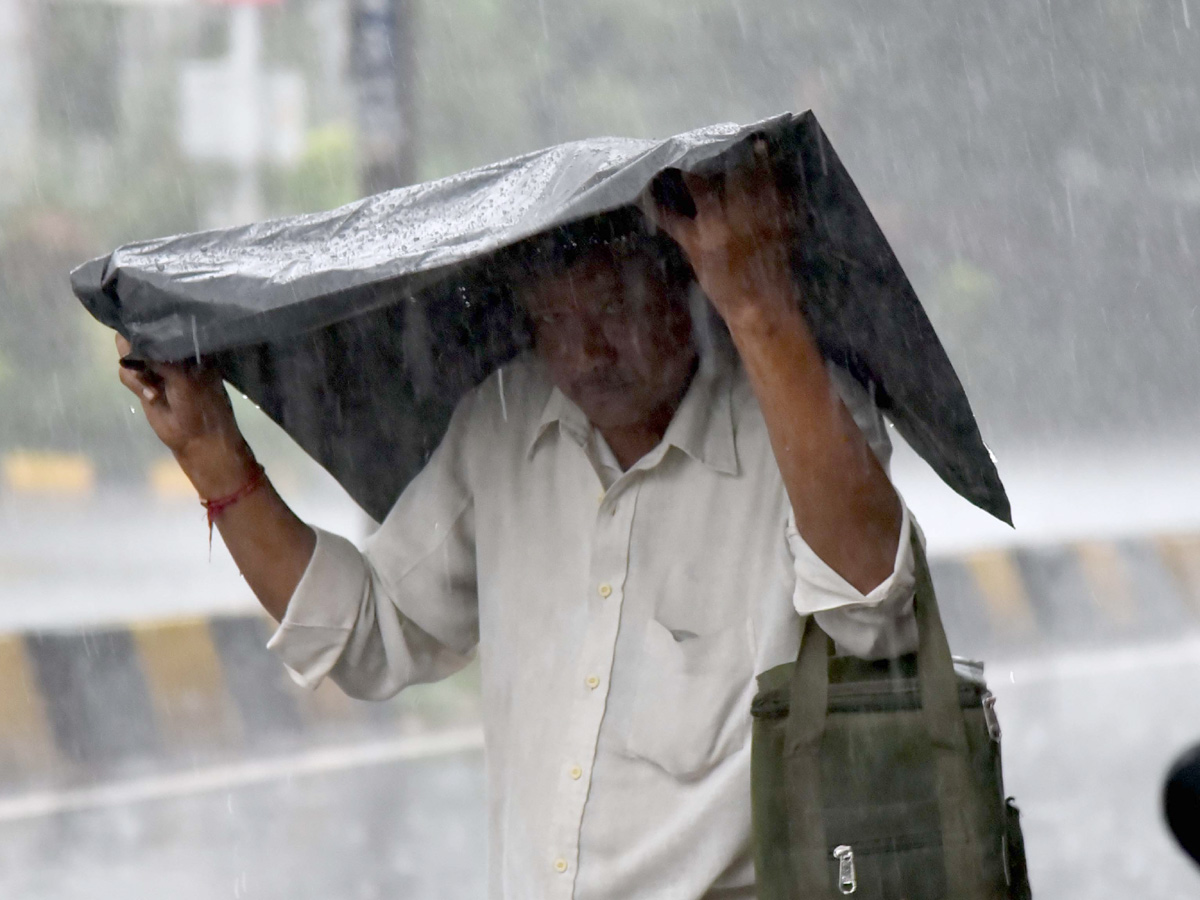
(599, 268)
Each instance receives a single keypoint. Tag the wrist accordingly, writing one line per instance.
(217, 465)
(765, 318)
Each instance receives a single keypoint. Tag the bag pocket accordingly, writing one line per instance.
(692, 703)
(912, 867)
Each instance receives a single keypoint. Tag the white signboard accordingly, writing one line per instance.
(224, 118)
(233, 110)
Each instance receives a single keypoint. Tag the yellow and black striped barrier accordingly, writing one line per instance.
(42, 473)
(80, 705)
(1029, 599)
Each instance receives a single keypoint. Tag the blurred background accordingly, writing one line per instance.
(1036, 166)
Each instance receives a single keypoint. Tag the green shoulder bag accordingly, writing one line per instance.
(881, 780)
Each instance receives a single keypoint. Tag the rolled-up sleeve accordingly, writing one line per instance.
(874, 625)
(403, 610)
(880, 623)
(323, 610)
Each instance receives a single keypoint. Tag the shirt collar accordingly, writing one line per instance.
(702, 426)
(562, 412)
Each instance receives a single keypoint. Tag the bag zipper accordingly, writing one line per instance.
(847, 879)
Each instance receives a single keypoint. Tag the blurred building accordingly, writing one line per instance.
(17, 104)
(92, 91)
(1035, 174)
(126, 119)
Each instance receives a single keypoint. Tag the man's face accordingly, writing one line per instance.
(616, 337)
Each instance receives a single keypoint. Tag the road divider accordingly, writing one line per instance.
(167, 480)
(98, 704)
(1029, 600)
(103, 703)
(63, 474)
(42, 473)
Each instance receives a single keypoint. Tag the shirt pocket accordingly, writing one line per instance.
(691, 708)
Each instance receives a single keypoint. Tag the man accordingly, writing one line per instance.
(626, 528)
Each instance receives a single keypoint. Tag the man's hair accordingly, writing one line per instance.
(624, 233)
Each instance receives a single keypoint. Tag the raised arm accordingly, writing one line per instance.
(190, 412)
(845, 507)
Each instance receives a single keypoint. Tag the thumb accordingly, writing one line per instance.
(668, 204)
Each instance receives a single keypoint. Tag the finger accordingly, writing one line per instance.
(706, 194)
(750, 183)
(184, 377)
(679, 227)
(136, 382)
(163, 372)
(670, 193)
(185, 382)
(145, 381)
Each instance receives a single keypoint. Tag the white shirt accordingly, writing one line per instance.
(620, 619)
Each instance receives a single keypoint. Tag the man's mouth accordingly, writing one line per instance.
(601, 385)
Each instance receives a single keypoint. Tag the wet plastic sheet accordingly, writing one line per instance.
(358, 329)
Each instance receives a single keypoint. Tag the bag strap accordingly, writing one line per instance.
(935, 666)
(958, 801)
(808, 703)
(808, 707)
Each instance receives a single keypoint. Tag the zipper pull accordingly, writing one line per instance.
(847, 881)
(989, 716)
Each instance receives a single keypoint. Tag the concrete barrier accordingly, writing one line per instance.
(167, 481)
(29, 472)
(42, 473)
(1029, 600)
(78, 706)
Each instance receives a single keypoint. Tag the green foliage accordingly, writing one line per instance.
(77, 84)
(960, 122)
(502, 77)
(963, 291)
(325, 177)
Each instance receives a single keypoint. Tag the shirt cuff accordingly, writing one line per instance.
(875, 625)
(820, 588)
(322, 611)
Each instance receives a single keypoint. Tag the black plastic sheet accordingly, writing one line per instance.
(359, 329)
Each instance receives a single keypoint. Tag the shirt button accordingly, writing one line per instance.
(592, 682)
(560, 865)
(576, 772)
(605, 589)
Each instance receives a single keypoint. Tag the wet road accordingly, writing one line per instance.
(126, 555)
(1087, 739)
(412, 830)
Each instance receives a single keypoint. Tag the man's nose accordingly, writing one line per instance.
(594, 345)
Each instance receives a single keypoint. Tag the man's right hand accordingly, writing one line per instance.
(189, 410)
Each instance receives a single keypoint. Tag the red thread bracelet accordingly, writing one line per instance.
(213, 508)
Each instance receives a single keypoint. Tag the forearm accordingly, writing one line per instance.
(845, 507)
(738, 243)
(269, 543)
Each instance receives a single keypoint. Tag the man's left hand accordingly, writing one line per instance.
(739, 241)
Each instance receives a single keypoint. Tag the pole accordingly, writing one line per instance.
(245, 57)
(383, 50)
